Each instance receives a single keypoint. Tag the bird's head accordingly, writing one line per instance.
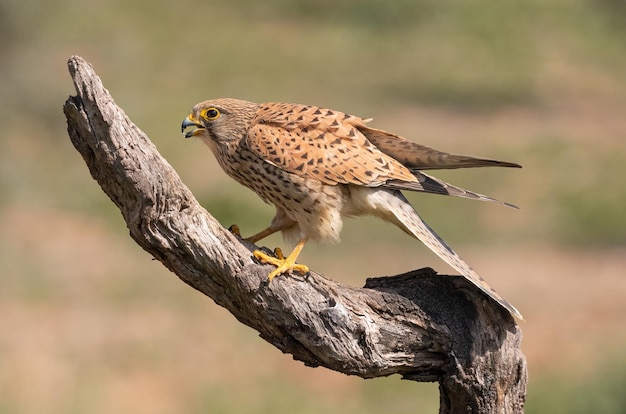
(220, 120)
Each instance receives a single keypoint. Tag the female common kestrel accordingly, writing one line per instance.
(317, 165)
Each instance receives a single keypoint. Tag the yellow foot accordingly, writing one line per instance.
(283, 265)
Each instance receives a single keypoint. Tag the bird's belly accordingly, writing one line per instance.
(315, 206)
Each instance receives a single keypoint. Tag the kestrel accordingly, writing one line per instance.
(318, 165)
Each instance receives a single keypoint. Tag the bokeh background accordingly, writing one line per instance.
(90, 324)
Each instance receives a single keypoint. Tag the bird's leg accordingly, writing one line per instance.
(280, 222)
(234, 229)
(263, 234)
(284, 264)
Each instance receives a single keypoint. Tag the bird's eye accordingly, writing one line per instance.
(210, 114)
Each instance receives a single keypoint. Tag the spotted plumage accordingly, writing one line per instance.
(317, 166)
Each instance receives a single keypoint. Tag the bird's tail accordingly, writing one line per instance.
(404, 216)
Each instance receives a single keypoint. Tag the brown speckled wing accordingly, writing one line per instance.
(421, 157)
(321, 144)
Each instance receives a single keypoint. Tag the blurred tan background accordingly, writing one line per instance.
(90, 324)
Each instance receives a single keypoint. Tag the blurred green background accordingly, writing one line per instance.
(90, 324)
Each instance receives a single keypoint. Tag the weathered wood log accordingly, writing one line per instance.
(420, 325)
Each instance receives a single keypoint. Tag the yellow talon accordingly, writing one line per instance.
(279, 253)
(283, 264)
(234, 229)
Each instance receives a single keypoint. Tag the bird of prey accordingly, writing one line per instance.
(318, 165)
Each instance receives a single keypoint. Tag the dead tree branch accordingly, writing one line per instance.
(423, 326)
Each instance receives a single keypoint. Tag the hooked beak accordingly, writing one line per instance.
(191, 122)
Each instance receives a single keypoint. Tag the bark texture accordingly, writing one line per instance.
(420, 325)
